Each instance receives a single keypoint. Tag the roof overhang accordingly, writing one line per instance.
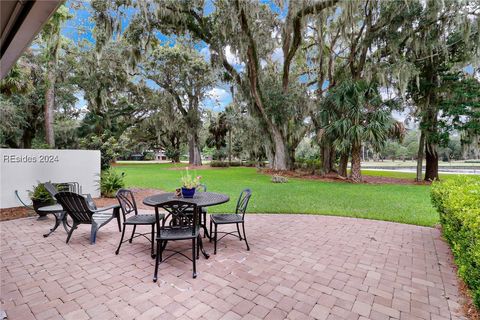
(20, 22)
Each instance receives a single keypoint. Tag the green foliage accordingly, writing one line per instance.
(219, 164)
(110, 181)
(149, 156)
(173, 153)
(11, 122)
(307, 150)
(109, 148)
(190, 181)
(217, 132)
(458, 202)
(40, 193)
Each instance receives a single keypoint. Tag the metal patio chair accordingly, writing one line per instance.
(232, 218)
(203, 211)
(182, 226)
(77, 207)
(131, 217)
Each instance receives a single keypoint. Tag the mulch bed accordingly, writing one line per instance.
(333, 177)
(469, 308)
(15, 213)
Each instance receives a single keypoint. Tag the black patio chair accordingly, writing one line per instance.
(203, 220)
(77, 207)
(228, 218)
(131, 217)
(183, 225)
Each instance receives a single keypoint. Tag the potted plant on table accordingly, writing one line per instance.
(40, 198)
(189, 184)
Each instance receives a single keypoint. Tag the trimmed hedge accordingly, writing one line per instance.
(223, 164)
(458, 202)
(219, 164)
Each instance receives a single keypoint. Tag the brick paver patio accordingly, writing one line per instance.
(299, 267)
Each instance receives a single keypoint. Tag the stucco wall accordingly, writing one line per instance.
(21, 169)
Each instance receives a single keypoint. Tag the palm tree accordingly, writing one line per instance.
(52, 39)
(359, 115)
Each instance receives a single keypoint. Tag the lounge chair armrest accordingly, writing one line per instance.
(106, 208)
(90, 201)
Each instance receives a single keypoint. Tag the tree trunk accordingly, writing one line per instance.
(421, 148)
(327, 152)
(280, 161)
(342, 167)
(50, 104)
(27, 138)
(356, 174)
(194, 157)
(431, 156)
(229, 145)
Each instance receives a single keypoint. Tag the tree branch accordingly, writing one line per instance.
(297, 35)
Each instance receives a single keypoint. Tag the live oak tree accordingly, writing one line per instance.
(162, 128)
(184, 74)
(436, 37)
(246, 29)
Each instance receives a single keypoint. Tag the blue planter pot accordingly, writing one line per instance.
(188, 193)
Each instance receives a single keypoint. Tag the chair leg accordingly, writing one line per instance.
(239, 235)
(194, 260)
(121, 239)
(205, 224)
(245, 236)
(153, 240)
(93, 233)
(157, 258)
(211, 230)
(70, 232)
(133, 233)
(198, 246)
(215, 241)
(161, 250)
(116, 213)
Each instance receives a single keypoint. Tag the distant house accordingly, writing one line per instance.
(160, 154)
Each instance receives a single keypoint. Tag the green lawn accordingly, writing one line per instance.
(399, 203)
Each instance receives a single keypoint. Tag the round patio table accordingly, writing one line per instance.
(59, 213)
(201, 199)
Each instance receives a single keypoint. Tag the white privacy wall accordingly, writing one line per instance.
(21, 169)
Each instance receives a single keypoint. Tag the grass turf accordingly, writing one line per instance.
(399, 203)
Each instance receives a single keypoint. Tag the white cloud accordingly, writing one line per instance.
(218, 93)
(232, 58)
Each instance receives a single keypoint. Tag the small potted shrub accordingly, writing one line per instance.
(40, 198)
(189, 184)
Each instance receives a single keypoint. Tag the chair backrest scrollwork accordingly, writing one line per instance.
(242, 202)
